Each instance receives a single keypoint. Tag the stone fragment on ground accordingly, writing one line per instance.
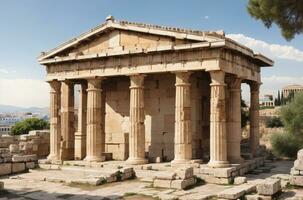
(269, 187)
(181, 179)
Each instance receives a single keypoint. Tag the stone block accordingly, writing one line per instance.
(110, 179)
(18, 167)
(269, 187)
(252, 197)
(128, 175)
(30, 165)
(127, 170)
(215, 180)
(14, 148)
(300, 154)
(166, 176)
(183, 184)
(89, 181)
(296, 180)
(5, 168)
(240, 180)
(298, 164)
(232, 193)
(24, 158)
(162, 183)
(185, 173)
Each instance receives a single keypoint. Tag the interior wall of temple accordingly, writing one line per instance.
(159, 94)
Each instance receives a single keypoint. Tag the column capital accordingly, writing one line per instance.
(217, 78)
(136, 81)
(94, 84)
(234, 83)
(254, 86)
(182, 78)
(55, 85)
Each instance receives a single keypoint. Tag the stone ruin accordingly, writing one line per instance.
(20, 153)
(296, 172)
(180, 179)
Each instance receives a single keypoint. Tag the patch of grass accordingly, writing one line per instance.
(127, 194)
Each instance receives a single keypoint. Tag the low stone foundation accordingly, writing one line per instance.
(18, 164)
(35, 142)
(86, 173)
(20, 153)
(227, 175)
(180, 179)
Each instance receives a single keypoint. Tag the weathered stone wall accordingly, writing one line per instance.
(159, 115)
(36, 142)
(20, 153)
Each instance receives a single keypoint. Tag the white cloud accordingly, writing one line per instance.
(24, 92)
(206, 17)
(269, 50)
(3, 71)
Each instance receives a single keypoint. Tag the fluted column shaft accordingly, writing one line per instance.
(218, 138)
(234, 132)
(254, 117)
(67, 121)
(80, 135)
(95, 128)
(55, 132)
(136, 118)
(183, 129)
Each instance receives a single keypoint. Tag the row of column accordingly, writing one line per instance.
(225, 135)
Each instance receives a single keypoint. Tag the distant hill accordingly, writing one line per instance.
(16, 109)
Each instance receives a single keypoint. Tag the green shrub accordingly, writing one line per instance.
(27, 125)
(273, 122)
(285, 145)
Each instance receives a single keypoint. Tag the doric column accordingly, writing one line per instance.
(254, 117)
(80, 135)
(218, 142)
(136, 119)
(183, 129)
(234, 132)
(67, 121)
(95, 127)
(55, 132)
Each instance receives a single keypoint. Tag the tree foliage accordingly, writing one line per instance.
(292, 116)
(287, 14)
(289, 142)
(27, 125)
(273, 122)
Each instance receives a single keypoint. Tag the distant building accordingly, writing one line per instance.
(267, 101)
(291, 89)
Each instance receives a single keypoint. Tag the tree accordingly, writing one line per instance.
(290, 141)
(27, 125)
(292, 116)
(279, 99)
(287, 14)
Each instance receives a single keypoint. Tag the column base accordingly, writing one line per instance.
(181, 161)
(136, 161)
(52, 157)
(218, 164)
(94, 158)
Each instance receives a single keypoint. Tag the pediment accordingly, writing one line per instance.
(117, 40)
(113, 35)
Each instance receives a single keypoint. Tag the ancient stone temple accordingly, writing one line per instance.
(151, 93)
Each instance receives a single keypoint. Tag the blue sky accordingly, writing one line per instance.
(28, 27)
